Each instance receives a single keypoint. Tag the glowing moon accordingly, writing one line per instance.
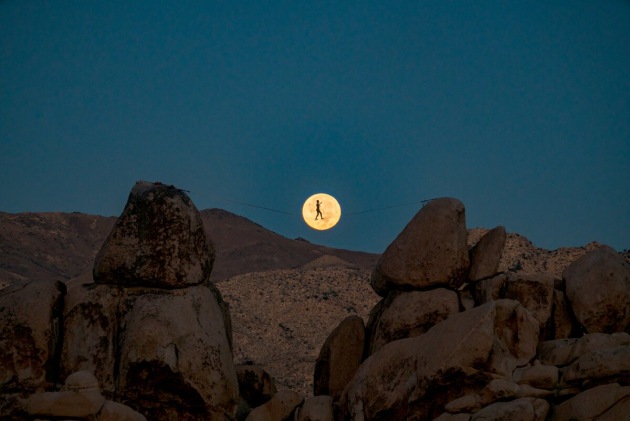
(329, 211)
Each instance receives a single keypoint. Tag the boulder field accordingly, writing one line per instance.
(453, 338)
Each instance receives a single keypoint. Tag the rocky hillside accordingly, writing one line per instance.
(281, 318)
(521, 255)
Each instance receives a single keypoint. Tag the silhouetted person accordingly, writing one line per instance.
(319, 212)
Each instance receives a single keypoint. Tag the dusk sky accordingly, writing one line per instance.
(519, 109)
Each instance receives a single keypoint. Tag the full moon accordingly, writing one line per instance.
(321, 211)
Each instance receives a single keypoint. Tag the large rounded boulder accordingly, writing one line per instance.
(430, 251)
(598, 287)
(158, 241)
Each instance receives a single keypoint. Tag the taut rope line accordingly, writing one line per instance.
(251, 205)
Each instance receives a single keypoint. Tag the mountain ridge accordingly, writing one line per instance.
(60, 246)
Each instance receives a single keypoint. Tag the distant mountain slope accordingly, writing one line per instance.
(49, 245)
(243, 246)
(61, 246)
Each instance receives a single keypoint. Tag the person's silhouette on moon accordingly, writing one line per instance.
(319, 212)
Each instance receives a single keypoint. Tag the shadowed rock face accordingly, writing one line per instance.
(405, 314)
(30, 334)
(400, 374)
(339, 357)
(80, 398)
(158, 241)
(598, 287)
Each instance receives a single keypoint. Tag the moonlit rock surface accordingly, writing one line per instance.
(158, 241)
(431, 250)
(393, 382)
(175, 360)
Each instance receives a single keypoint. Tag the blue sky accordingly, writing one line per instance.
(519, 109)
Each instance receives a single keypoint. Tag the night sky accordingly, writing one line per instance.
(519, 109)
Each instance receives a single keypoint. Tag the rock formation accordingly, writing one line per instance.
(405, 314)
(455, 336)
(516, 350)
(485, 255)
(150, 327)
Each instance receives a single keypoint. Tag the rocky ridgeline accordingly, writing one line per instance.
(453, 337)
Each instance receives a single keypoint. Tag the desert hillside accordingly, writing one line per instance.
(281, 318)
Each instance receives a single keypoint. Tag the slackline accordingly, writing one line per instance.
(252, 205)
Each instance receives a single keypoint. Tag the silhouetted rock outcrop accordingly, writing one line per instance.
(160, 343)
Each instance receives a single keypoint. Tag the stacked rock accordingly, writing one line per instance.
(151, 327)
(419, 274)
(452, 339)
